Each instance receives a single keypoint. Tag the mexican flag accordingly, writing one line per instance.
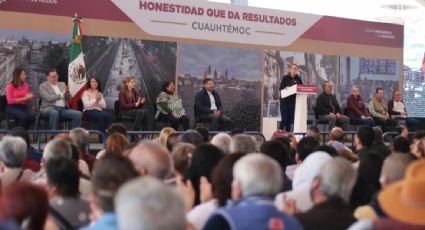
(76, 69)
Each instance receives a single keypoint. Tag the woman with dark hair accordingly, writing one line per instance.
(131, 103)
(220, 189)
(287, 105)
(25, 203)
(94, 103)
(170, 107)
(204, 158)
(18, 99)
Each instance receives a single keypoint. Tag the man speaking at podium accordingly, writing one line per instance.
(287, 105)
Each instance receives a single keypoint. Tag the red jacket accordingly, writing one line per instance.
(356, 107)
(126, 103)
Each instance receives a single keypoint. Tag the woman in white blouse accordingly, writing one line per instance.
(94, 103)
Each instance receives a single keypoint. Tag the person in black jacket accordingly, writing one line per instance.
(287, 105)
(208, 106)
(327, 108)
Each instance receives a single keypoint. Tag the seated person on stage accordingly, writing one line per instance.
(398, 111)
(170, 107)
(378, 110)
(53, 95)
(208, 105)
(356, 109)
(18, 99)
(131, 103)
(94, 102)
(327, 108)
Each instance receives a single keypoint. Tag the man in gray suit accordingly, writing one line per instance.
(53, 101)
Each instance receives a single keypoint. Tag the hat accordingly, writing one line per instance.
(405, 200)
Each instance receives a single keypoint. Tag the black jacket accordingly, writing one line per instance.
(326, 104)
(288, 81)
(203, 103)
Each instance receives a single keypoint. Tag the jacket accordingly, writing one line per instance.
(49, 97)
(203, 103)
(356, 107)
(326, 104)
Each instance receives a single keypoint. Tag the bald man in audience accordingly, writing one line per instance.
(151, 158)
(336, 140)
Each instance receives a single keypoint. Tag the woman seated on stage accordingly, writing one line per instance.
(170, 107)
(18, 99)
(356, 109)
(131, 103)
(94, 103)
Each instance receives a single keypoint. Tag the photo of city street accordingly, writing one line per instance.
(313, 69)
(236, 74)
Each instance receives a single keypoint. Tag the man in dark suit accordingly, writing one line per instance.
(208, 106)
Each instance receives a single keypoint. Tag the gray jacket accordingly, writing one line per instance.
(49, 96)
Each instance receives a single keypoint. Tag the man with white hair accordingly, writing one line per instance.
(151, 158)
(243, 143)
(147, 203)
(222, 141)
(256, 180)
(81, 138)
(330, 192)
(12, 154)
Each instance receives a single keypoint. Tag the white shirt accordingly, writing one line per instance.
(398, 107)
(212, 100)
(60, 102)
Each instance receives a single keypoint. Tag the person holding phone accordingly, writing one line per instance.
(131, 103)
(287, 105)
(18, 99)
(53, 102)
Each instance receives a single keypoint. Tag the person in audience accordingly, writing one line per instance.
(214, 194)
(147, 203)
(117, 128)
(131, 103)
(304, 148)
(327, 149)
(75, 154)
(356, 109)
(26, 204)
(327, 108)
(418, 149)
(81, 138)
(152, 159)
(181, 155)
(243, 143)
(301, 184)
(367, 184)
(109, 174)
(204, 158)
(222, 141)
(62, 185)
(94, 104)
(53, 102)
(170, 107)
(279, 152)
(287, 104)
(172, 140)
(314, 132)
(393, 170)
(378, 143)
(400, 145)
(18, 98)
(60, 148)
(12, 154)
(364, 140)
(379, 111)
(291, 151)
(33, 157)
(399, 201)
(330, 192)
(163, 135)
(336, 140)
(208, 106)
(116, 143)
(205, 133)
(398, 111)
(190, 136)
(253, 195)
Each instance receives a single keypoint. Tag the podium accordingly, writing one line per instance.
(302, 92)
